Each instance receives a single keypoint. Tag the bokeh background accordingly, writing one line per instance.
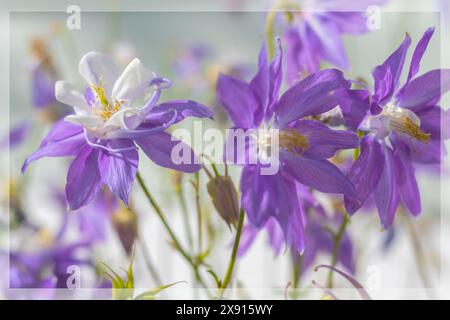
(190, 44)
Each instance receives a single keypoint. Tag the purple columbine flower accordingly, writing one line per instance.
(403, 128)
(108, 125)
(315, 34)
(319, 231)
(305, 144)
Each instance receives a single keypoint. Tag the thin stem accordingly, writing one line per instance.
(169, 230)
(199, 213)
(336, 249)
(148, 261)
(237, 239)
(186, 223)
(419, 254)
(296, 270)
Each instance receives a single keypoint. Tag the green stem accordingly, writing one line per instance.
(199, 212)
(296, 269)
(237, 239)
(186, 223)
(336, 249)
(279, 6)
(148, 261)
(270, 32)
(169, 230)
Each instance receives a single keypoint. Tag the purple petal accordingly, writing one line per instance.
(266, 83)
(118, 170)
(64, 139)
(330, 39)
(83, 178)
(407, 184)
(301, 46)
(429, 152)
(258, 195)
(387, 75)
(248, 236)
(386, 192)
(354, 105)
(163, 112)
(319, 174)
(158, 148)
(425, 90)
(348, 22)
(311, 96)
(418, 53)
(323, 142)
(365, 172)
(238, 100)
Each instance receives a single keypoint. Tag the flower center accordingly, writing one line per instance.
(293, 141)
(399, 120)
(106, 109)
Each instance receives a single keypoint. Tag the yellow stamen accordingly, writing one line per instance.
(107, 109)
(406, 126)
(293, 141)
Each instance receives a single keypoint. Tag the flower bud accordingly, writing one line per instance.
(225, 198)
(125, 224)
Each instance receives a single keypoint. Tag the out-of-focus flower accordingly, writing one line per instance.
(305, 145)
(43, 74)
(107, 125)
(403, 127)
(16, 135)
(315, 33)
(319, 230)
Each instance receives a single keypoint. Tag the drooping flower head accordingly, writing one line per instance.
(305, 144)
(111, 119)
(315, 33)
(403, 127)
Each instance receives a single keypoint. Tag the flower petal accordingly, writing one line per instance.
(387, 75)
(64, 139)
(425, 90)
(319, 174)
(407, 184)
(83, 178)
(163, 112)
(311, 96)
(386, 191)
(418, 53)
(365, 173)
(86, 121)
(266, 83)
(265, 196)
(99, 69)
(132, 83)
(330, 38)
(323, 142)
(66, 93)
(238, 100)
(159, 147)
(119, 170)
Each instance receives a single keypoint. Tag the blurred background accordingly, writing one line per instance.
(189, 44)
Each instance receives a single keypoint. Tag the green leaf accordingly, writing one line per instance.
(151, 294)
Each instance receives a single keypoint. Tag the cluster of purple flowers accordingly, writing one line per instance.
(320, 114)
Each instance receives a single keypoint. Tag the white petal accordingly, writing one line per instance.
(132, 82)
(127, 118)
(68, 94)
(88, 122)
(98, 68)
